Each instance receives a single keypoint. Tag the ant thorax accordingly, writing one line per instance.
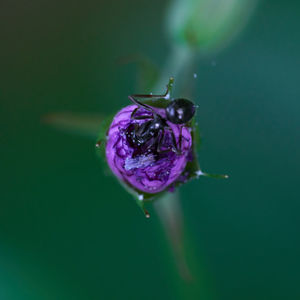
(149, 132)
(150, 129)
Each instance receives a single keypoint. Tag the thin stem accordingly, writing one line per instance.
(170, 214)
(168, 208)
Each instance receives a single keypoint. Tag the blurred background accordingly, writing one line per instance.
(68, 231)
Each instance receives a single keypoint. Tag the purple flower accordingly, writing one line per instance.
(147, 167)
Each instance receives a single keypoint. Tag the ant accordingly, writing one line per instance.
(152, 132)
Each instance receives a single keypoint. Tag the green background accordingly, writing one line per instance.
(67, 231)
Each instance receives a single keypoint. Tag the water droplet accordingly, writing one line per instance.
(195, 75)
(147, 215)
(98, 144)
(199, 173)
(141, 197)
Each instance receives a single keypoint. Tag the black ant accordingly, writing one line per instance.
(152, 132)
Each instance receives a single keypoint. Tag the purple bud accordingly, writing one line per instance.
(149, 163)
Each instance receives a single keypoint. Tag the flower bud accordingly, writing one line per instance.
(207, 25)
(149, 167)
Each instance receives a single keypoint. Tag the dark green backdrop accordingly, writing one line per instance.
(69, 232)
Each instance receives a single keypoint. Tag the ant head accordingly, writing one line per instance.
(180, 111)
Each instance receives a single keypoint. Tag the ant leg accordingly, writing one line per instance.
(152, 143)
(135, 101)
(180, 137)
(133, 113)
(166, 95)
(159, 144)
(150, 95)
(174, 143)
(134, 117)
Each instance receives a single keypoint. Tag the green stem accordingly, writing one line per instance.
(170, 214)
(168, 208)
